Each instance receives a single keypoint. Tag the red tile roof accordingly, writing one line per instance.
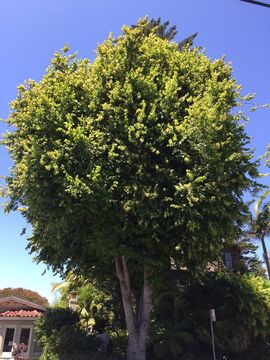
(21, 313)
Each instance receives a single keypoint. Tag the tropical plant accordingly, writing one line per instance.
(260, 225)
(98, 304)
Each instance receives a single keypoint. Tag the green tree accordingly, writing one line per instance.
(168, 33)
(249, 261)
(128, 162)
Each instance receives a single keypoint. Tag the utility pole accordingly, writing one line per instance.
(212, 316)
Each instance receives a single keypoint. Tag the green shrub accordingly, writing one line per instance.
(242, 305)
(61, 337)
(119, 340)
(180, 327)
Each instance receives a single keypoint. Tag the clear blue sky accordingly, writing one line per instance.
(31, 30)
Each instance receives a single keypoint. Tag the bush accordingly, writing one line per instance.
(180, 327)
(242, 305)
(61, 337)
(119, 340)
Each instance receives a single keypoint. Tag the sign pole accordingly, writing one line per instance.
(212, 316)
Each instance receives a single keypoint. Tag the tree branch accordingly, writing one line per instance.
(147, 302)
(123, 275)
(126, 272)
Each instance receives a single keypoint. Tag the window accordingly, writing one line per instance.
(8, 342)
(228, 260)
(24, 337)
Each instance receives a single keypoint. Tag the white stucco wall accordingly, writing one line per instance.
(18, 324)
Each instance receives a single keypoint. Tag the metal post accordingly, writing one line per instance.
(212, 316)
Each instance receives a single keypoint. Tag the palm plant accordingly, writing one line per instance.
(260, 225)
(95, 303)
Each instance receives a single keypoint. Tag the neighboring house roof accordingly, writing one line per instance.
(13, 303)
(13, 308)
(21, 313)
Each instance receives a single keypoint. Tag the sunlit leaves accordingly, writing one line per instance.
(140, 144)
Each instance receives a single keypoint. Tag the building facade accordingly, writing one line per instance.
(17, 317)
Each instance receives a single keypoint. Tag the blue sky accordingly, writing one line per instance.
(31, 30)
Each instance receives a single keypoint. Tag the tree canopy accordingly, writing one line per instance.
(24, 294)
(138, 157)
(129, 155)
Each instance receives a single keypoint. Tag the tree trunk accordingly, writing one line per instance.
(137, 325)
(265, 255)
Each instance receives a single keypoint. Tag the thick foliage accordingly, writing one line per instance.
(137, 154)
(181, 327)
(250, 262)
(99, 304)
(25, 294)
(242, 308)
(61, 338)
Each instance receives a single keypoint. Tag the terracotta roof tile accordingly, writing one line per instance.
(21, 313)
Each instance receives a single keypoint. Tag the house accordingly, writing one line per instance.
(231, 257)
(17, 317)
(229, 260)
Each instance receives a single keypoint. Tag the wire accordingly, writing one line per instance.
(254, 2)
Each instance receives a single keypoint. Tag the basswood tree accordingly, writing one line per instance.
(126, 163)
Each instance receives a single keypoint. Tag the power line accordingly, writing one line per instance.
(254, 2)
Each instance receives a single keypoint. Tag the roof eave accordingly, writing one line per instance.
(23, 301)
